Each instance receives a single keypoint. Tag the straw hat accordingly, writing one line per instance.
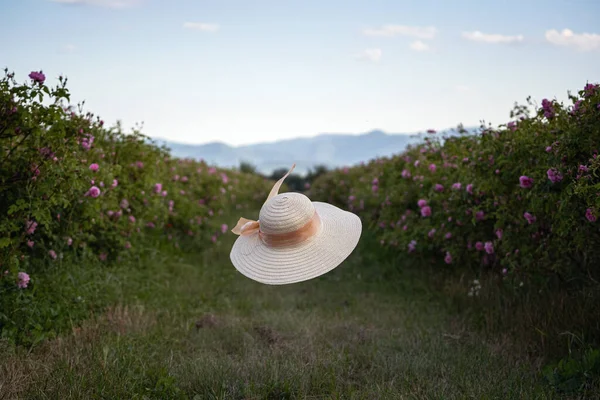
(294, 239)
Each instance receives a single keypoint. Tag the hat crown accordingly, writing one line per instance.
(286, 212)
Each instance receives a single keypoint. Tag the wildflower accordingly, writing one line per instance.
(422, 203)
(438, 187)
(115, 183)
(525, 182)
(448, 235)
(479, 246)
(94, 167)
(52, 254)
(457, 186)
(30, 243)
(479, 216)
(157, 187)
(470, 188)
(432, 167)
(23, 280)
(431, 232)
(69, 241)
(499, 233)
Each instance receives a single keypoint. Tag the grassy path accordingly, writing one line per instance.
(195, 328)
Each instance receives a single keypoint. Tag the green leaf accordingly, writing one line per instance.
(4, 242)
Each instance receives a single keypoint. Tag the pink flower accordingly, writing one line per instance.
(438, 187)
(69, 241)
(426, 211)
(479, 246)
(432, 167)
(457, 186)
(589, 214)
(115, 183)
(94, 192)
(213, 238)
(23, 280)
(479, 216)
(94, 167)
(405, 173)
(470, 188)
(448, 235)
(30, 227)
(52, 254)
(554, 175)
(224, 228)
(412, 246)
(525, 182)
(158, 188)
(489, 247)
(132, 219)
(530, 218)
(499, 233)
(448, 258)
(374, 188)
(422, 203)
(127, 245)
(37, 77)
(30, 243)
(431, 232)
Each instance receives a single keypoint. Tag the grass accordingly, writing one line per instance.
(194, 328)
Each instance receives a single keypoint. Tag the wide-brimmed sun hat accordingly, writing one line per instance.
(294, 239)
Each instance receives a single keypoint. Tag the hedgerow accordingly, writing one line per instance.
(72, 190)
(520, 200)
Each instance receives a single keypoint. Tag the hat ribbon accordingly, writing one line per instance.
(245, 226)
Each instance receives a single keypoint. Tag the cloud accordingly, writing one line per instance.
(581, 41)
(199, 26)
(373, 55)
(418, 45)
(478, 36)
(427, 32)
(117, 4)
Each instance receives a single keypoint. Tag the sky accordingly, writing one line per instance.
(248, 71)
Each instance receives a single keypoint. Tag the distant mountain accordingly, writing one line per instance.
(332, 150)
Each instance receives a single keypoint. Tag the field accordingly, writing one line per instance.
(476, 275)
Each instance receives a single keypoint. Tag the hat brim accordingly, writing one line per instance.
(336, 239)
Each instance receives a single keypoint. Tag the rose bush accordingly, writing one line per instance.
(72, 189)
(521, 200)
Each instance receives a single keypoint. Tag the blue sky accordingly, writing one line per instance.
(243, 71)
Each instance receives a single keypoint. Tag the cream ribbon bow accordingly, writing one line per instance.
(245, 226)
